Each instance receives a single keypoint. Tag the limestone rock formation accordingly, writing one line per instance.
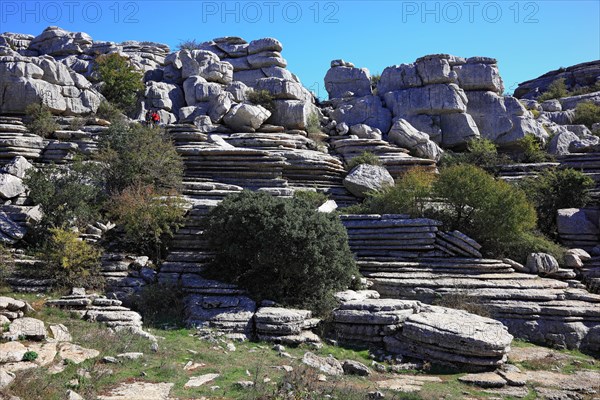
(364, 178)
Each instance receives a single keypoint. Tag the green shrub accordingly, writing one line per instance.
(30, 356)
(71, 261)
(147, 218)
(409, 195)
(531, 150)
(77, 123)
(481, 152)
(556, 90)
(554, 189)
(530, 242)
(489, 210)
(314, 198)
(136, 154)
(536, 114)
(109, 112)
(587, 113)
(365, 158)
(121, 81)
(68, 196)
(39, 120)
(586, 89)
(280, 249)
(313, 125)
(160, 305)
(261, 98)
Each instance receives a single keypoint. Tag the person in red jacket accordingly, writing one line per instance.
(154, 118)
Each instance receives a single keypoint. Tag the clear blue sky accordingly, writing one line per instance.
(528, 38)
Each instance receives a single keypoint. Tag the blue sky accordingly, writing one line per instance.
(528, 38)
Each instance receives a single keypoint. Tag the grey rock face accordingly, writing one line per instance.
(479, 77)
(340, 80)
(542, 263)
(352, 367)
(434, 69)
(265, 44)
(18, 167)
(26, 80)
(246, 117)
(432, 100)
(55, 41)
(561, 142)
(292, 114)
(364, 178)
(458, 129)
(185, 63)
(363, 110)
(398, 77)
(10, 186)
(28, 328)
(284, 89)
(405, 135)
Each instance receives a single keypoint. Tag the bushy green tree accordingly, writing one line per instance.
(135, 154)
(556, 90)
(71, 261)
(409, 195)
(69, 196)
(587, 113)
(280, 249)
(554, 189)
(531, 150)
(314, 198)
(121, 81)
(491, 211)
(148, 219)
(39, 120)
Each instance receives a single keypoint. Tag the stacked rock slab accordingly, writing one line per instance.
(16, 140)
(539, 309)
(96, 308)
(395, 159)
(578, 227)
(413, 329)
(516, 172)
(25, 277)
(125, 275)
(589, 274)
(285, 326)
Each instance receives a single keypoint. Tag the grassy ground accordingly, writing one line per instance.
(250, 361)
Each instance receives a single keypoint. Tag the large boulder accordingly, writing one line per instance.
(11, 186)
(542, 263)
(162, 96)
(284, 89)
(405, 135)
(18, 167)
(55, 41)
(398, 77)
(479, 76)
(458, 129)
(293, 114)
(365, 178)
(367, 110)
(575, 221)
(435, 69)
(246, 117)
(185, 63)
(434, 99)
(340, 80)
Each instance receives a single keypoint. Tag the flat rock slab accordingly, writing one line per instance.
(197, 381)
(484, 380)
(75, 353)
(520, 354)
(139, 391)
(580, 381)
(407, 384)
(12, 352)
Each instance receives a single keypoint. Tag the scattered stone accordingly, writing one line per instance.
(60, 333)
(352, 367)
(130, 356)
(328, 365)
(197, 381)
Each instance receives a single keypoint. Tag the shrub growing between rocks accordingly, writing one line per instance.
(280, 249)
(556, 90)
(261, 98)
(148, 219)
(409, 195)
(136, 154)
(587, 113)
(366, 157)
(554, 189)
(315, 199)
(531, 150)
(109, 112)
(40, 120)
(121, 82)
(160, 305)
(482, 153)
(71, 261)
(68, 196)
